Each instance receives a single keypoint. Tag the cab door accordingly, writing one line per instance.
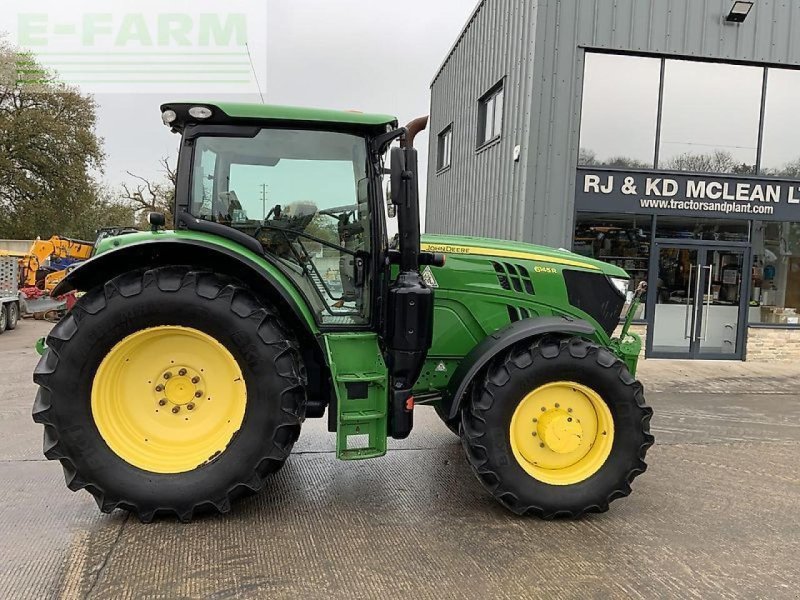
(305, 196)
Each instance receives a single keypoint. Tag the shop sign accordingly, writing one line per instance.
(598, 190)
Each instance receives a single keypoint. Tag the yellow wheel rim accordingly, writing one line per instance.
(561, 433)
(168, 399)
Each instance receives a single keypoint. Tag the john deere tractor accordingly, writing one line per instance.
(181, 378)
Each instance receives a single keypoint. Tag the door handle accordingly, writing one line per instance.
(686, 330)
(707, 304)
(694, 303)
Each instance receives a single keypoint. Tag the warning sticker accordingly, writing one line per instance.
(428, 278)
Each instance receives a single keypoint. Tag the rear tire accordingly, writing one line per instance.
(511, 378)
(12, 315)
(168, 298)
(3, 318)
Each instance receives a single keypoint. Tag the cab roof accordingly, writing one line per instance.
(233, 111)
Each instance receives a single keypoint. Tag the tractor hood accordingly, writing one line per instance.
(509, 281)
(477, 246)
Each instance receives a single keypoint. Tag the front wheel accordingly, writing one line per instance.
(558, 427)
(169, 391)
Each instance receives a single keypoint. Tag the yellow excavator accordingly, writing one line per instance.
(47, 261)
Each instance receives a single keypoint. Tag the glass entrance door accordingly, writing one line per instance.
(695, 302)
(720, 303)
(673, 288)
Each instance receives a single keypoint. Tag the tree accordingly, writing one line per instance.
(790, 169)
(146, 196)
(105, 211)
(716, 161)
(624, 162)
(325, 228)
(49, 152)
(588, 157)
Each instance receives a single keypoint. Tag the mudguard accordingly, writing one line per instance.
(500, 340)
(191, 249)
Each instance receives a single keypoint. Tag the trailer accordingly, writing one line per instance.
(9, 293)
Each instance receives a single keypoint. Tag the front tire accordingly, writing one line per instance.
(557, 428)
(169, 391)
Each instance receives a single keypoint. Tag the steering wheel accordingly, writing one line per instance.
(336, 211)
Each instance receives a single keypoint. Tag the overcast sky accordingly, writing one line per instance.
(374, 56)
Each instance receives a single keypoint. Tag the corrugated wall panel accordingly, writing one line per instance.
(483, 185)
(539, 47)
(688, 27)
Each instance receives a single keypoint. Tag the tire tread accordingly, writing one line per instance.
(483, 396)
(245, 305)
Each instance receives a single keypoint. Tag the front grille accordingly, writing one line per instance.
(511, 276)
(594, 294)
(517, 313)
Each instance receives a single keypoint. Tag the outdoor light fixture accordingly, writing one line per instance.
(200, 112)
(169, 116)
(739, 12)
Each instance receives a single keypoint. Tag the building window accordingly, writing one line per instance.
(699, 130)
(620, 110)
(622, 240)
(490, 114)
(445, 148)
(718, 230)
(704, 129)
(775, 291)
(780, 154)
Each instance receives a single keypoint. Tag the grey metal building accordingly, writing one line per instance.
(662, 135)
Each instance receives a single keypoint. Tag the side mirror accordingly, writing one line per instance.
(398, 172)
(156, 220)
(405, 196)
(391, 209)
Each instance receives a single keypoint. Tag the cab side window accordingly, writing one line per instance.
(304, 196)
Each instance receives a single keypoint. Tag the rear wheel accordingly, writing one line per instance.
(12, 315)
(3, 318)
(169, 392)
(557, 428)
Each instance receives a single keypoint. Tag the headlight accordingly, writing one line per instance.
(620, 284)
(169, 116)
(200, 112)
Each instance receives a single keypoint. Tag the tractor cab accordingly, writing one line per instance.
(306, 194)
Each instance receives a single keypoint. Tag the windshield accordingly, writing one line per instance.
(303, 195)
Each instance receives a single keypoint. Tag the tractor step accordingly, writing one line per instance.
(360, 377)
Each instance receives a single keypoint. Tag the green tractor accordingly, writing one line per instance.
(181, 378)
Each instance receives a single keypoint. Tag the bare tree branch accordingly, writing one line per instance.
(146, 195)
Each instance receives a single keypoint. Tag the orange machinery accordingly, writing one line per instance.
(45, 254)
